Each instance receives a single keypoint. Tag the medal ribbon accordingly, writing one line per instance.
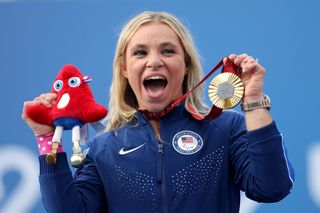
(214, 112)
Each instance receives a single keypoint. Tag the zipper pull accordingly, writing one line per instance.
(160, 148)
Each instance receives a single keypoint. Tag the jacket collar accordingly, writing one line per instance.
(176, 113)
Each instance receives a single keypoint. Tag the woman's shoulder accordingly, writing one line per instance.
(108, 136)
(103, 139)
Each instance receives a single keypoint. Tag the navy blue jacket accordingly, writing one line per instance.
(198, 166)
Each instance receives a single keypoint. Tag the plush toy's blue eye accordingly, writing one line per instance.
(58, 84)
(74, 82)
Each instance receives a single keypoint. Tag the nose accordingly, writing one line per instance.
(154, 61)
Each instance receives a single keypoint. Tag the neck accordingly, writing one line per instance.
(156, 126)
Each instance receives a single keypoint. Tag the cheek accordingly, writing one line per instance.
(133, 79)
(177, 81)
(180, 71)
(127, 71)
(134, 70)
(134, 67)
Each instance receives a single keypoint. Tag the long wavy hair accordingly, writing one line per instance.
(123, 102)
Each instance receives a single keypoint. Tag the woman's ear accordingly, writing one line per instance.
(187, 70)
(124, 71)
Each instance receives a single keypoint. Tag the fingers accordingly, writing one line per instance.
(245, 61)
(248, 63)
(47, 99)
(238, 59)
(26, 105)
(231, 57)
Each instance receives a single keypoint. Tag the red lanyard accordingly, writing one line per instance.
(229, 66)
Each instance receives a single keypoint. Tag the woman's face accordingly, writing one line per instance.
(155, 66)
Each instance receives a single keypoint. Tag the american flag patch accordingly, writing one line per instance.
(187, 142)
(187, 139)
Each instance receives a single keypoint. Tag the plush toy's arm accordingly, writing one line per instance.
(93, 112)
(40, 114)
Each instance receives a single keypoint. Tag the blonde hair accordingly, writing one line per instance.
(123, 103)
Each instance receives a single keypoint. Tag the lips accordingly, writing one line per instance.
(155, 85)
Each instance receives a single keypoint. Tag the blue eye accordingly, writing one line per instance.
(140, 53)
(57, 85)
(168, 51)
(74, 82)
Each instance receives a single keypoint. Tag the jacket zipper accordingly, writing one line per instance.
(160, 173)
(159, 162)
(160, 178)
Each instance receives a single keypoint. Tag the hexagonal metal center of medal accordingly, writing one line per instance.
(225, 90)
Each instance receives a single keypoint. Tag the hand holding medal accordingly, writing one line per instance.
(241, 78)
(252, 74)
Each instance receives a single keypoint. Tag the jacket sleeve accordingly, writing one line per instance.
(259, 159)
(63, 193)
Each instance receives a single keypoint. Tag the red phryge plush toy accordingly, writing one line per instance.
(74, 107)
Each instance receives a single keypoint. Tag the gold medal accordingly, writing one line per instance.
(226, 90)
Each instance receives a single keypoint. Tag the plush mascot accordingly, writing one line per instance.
(75, 106)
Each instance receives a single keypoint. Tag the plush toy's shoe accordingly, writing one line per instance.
(77, 160)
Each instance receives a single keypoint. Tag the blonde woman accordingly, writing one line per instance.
(158, 159)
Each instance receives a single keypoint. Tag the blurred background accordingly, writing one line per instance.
(37, 37)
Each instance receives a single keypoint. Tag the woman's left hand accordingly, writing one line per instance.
(252, 75)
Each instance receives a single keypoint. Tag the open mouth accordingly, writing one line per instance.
(64, 101)
(155, 84)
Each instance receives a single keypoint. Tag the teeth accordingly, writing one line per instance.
(156, 77)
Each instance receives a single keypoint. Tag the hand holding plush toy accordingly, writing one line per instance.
(74, 107)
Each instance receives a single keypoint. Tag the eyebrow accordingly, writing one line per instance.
(164, 44)
(137, 46)
(168, 44)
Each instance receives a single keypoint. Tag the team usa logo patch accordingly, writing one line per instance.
(187, 142)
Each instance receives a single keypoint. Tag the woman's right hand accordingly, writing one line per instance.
(38, 129)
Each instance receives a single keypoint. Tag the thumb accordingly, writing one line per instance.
(225, 60)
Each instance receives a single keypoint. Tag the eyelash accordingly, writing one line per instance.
(143, 52)
(139, 52)
(168, 51)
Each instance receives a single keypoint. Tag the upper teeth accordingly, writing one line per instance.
(156, 77)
